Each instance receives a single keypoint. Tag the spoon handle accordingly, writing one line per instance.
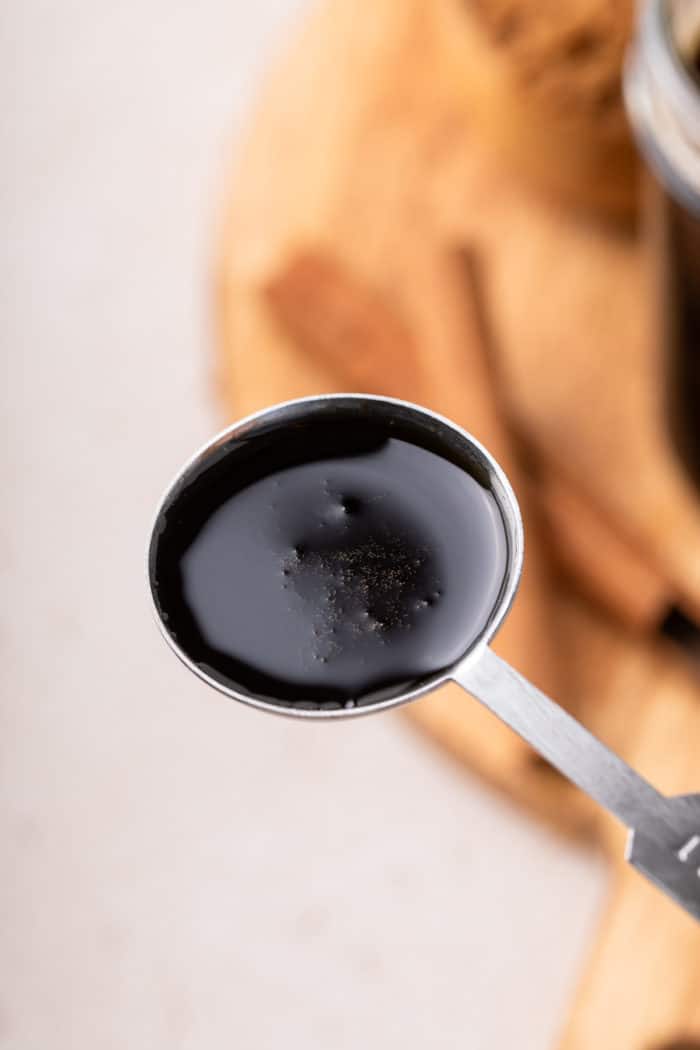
(663, 830)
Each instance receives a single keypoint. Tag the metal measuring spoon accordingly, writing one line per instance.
(664, 833)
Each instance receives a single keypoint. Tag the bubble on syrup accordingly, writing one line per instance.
(351, 505)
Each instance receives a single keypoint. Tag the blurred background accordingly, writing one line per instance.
(177, 870)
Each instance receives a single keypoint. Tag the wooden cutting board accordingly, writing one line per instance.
(359, 177)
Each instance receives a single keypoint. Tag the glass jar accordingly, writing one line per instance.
(662, 95)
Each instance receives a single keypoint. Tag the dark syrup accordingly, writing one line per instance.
(327, 562)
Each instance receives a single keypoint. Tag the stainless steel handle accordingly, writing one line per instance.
(664, 842)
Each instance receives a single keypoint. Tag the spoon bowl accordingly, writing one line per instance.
(238, 444)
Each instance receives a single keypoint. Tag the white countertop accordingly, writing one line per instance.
(179, 872)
